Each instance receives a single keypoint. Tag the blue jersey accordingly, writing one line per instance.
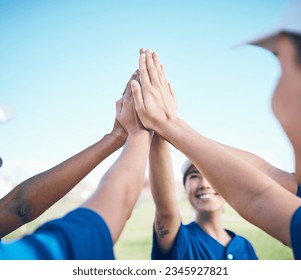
(79, 235)
(295, 230)
(193, 243)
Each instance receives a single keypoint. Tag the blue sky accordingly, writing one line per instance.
(64, 64)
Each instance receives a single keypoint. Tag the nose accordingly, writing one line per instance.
(204, 186)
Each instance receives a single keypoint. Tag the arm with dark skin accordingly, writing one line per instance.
(31, 198)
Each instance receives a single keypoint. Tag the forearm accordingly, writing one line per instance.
(167, 216)
(35, 195)
(293, 131)
(297, 153)
(285, 179)
(298, 167)
(162, 178)
(121, 185)
(131, 164)
(254, 195)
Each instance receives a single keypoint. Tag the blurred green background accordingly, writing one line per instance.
(135, 241)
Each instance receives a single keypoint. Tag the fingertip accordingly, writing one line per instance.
(143, 56)
(134, 84)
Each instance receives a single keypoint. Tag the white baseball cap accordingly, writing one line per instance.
(6, 113)
(290, 22)
(185, 167)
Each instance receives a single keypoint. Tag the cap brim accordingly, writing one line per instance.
(185, 166)
(265, 40)
(6, 113)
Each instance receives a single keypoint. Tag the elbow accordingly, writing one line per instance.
(24, 212)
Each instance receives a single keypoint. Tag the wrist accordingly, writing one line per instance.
(118, 138)
(140, 133)
(166, 127)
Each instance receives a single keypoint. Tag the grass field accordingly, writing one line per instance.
(135, 241)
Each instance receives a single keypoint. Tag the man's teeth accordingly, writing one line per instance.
(206, 196)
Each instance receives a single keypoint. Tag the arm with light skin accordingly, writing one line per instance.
(167, 216)
(121, 185)
(34, 196)
(293, 131)
(256, 196)
(285, 179)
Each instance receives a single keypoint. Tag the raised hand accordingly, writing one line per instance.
(118, 130)
(125, 112)
(154, 98)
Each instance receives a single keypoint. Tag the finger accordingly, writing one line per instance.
(137, 76)
(125, 104)
(142, 50)
(171, 90)
(144, 77)
(172, 93)
(151, 68)
(159, 66)
(163, 71)
(138, 96)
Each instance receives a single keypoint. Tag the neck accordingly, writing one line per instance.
(211, 222)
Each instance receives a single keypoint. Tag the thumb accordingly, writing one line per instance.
(138, 95)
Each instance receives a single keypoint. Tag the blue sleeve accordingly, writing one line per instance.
(79, 235)
(84, 233)
(295, 230)
(177, 250)
(33, 247)
(156, 252)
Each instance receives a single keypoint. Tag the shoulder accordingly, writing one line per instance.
(86, 233)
